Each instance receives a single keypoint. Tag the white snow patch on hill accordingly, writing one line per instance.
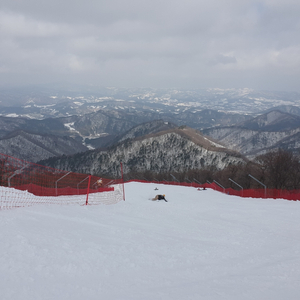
(199, 245)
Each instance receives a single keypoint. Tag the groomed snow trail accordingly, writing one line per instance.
(199, 245)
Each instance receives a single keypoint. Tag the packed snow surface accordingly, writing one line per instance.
(199, 245)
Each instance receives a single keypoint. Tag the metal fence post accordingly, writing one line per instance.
(220, 186)
(237, 185)
(260, 183)
(59, 180)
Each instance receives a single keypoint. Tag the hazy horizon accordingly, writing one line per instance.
(161, 44)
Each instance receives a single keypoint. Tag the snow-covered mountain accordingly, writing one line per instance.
(137, 131)
(274, 129)
(274, 120)
(33, 147)
(177, 150)
(46, 126)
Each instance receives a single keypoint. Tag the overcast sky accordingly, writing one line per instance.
(153, 43)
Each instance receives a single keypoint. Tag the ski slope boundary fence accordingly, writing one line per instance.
(24, 183)
(293, 195)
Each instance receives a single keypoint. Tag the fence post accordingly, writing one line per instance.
(188, 180)
(174, 178)
(197, 181)
(237, 185)
(14, 174)
(79, 184)
(260, 183)
(220, 186)
(59, 180)
(88, 190)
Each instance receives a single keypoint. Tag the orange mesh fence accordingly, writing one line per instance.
(23, 183)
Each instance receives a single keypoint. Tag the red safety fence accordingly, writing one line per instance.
(23, 183)
(249, 193)
(259, 193)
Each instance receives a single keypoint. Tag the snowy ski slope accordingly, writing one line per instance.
(199, 245)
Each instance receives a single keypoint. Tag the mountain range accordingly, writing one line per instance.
(34, 147)
(40, 125)
(269, 131)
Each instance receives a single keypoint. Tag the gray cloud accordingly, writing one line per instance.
(223, 59)
(164, 43)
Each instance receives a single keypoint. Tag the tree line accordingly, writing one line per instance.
(278, 169)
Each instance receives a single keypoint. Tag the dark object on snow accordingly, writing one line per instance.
(204, 189)
(160, 197)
